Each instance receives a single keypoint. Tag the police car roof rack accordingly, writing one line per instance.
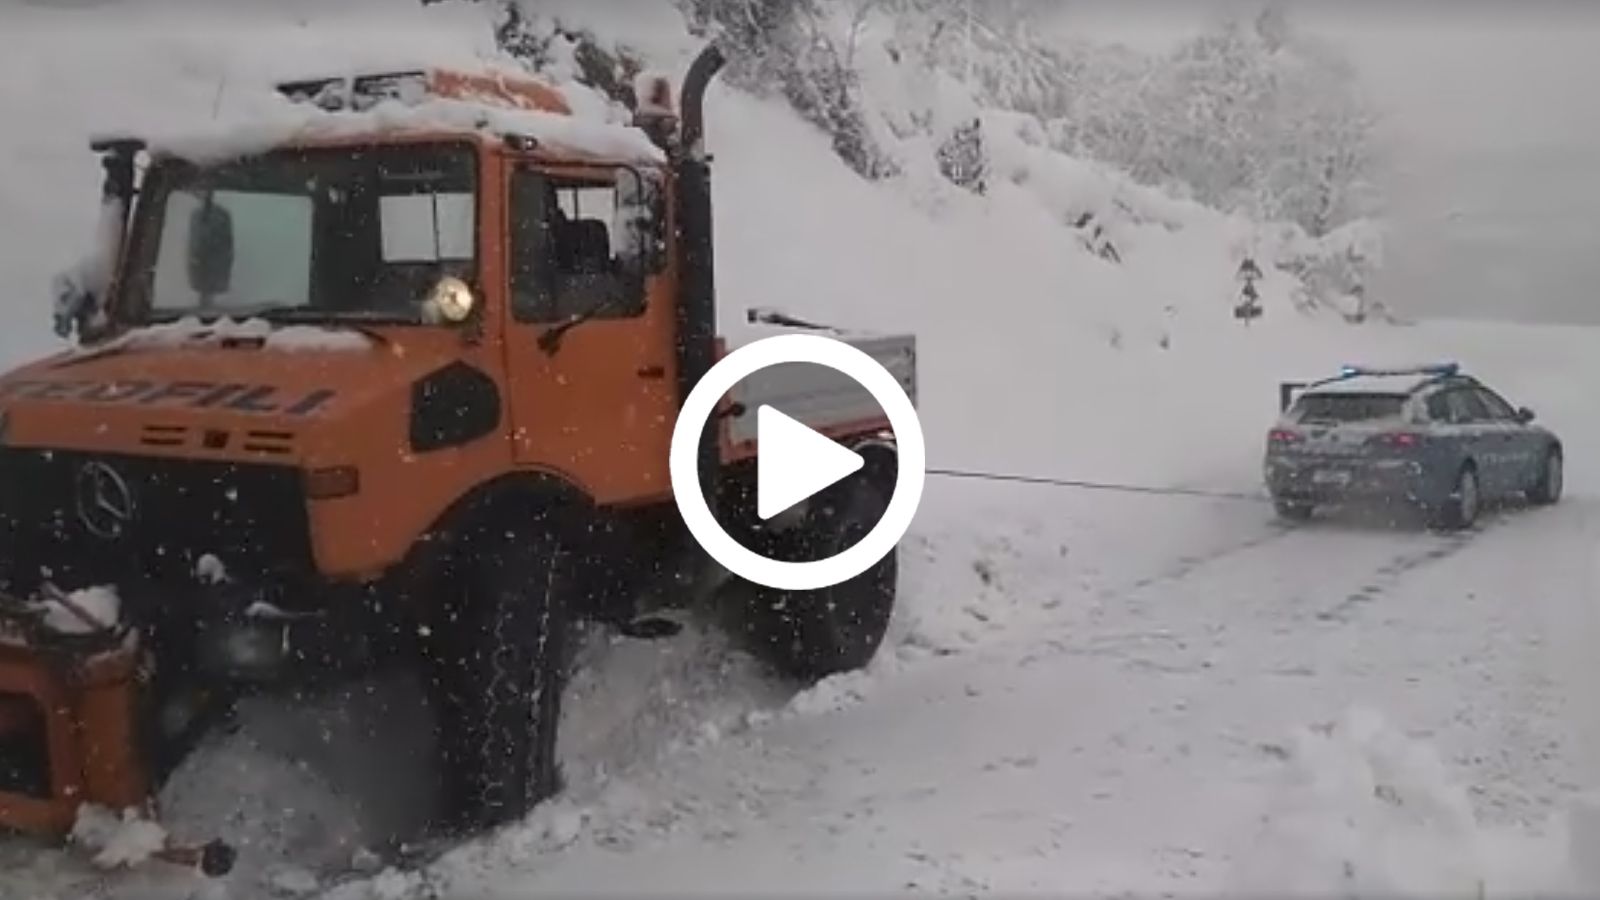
(1432, 370)
(1435, 371)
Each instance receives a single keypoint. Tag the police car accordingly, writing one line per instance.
(1429, 437)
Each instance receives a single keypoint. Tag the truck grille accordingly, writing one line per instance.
(83, 518)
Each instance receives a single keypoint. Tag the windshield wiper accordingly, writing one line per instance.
(308, 315)
(550, 341)
(764, 316)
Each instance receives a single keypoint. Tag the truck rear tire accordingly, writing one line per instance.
(809, 635)
(498, 674)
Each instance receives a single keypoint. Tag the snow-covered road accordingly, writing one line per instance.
(1140, 735)
(1127, 693)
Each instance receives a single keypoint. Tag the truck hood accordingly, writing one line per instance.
(160, 389)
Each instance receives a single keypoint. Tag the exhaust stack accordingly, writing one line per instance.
(697, 303)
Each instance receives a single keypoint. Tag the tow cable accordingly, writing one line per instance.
(1086, 485)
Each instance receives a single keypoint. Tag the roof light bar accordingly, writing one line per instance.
(360, 92)
(1435, 369)
(410, 87)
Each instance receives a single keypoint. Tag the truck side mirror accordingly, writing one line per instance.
(637, 239)
(1524, 415)
(76, 307)
(210, 249)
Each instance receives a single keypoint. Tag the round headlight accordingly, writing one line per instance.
(450, 301)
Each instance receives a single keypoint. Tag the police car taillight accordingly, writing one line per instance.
(1400, 440)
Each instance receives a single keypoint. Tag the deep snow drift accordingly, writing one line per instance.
(1081, 692)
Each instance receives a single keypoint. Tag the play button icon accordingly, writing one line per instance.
(795, 462)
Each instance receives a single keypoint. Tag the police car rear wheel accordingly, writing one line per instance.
(1460, 509)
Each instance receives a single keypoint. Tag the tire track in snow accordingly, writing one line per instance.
(1450, 639)
(1486, 660)
(1326, 570)
(1188, 565)
(1396, 570)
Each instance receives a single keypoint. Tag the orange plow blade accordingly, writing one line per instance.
(68, 736)
(70, 739)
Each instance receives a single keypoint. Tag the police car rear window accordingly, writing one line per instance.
(1334, 407)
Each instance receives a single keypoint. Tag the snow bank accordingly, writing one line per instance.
(1362, 810)
(83, 611)
(269, 124)
(916, 106)
(115, 840)
(191, 331)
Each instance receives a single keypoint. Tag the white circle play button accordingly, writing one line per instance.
(793, 462)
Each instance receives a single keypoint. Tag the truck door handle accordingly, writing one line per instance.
(652, 371)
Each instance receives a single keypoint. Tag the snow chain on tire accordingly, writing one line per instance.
(799, 632)
(502, 675)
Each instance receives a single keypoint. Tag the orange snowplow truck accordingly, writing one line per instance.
(393, 387)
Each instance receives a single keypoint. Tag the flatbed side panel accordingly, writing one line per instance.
(828, 401)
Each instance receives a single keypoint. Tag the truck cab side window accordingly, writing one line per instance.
(562, 260)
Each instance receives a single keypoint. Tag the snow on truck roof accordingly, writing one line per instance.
(427, 99)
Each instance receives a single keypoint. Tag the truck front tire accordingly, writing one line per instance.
(810, 635)
(498, 672)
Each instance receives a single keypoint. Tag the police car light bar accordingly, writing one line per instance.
(1436, 369)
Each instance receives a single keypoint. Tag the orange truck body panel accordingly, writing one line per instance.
(496, 90)
(599, 414)
(279, 409)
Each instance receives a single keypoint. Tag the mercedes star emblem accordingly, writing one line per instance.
(105, 502)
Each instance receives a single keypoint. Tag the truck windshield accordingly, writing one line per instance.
(326, 233)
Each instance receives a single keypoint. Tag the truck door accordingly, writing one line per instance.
(590, 335)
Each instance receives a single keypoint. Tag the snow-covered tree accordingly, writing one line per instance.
(962, 160)
(799, 50)
(547, 45)
(1249, 114)
(1252, 116)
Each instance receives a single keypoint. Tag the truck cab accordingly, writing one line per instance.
(393, 377)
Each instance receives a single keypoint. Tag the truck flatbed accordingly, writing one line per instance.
(830, 402)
